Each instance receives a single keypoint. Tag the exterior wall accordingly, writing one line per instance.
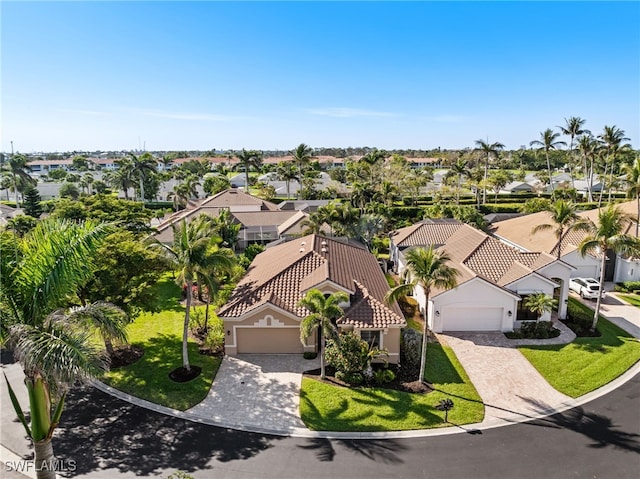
(390, 340)
(474, 294)
(587, 267)
(268, 317)
(563, 273)
(627, 270)
(531, 285)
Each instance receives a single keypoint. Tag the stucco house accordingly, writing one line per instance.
(494, 278)
(260, 221)
(517, 231)
(263, 316)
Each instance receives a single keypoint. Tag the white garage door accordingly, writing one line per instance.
(472, 319)
(269, 340)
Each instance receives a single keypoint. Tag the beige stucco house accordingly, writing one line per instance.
(263, 316)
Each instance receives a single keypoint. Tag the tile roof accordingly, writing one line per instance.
(282, 274)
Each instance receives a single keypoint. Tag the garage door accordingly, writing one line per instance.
(472, 319)
(269, 340)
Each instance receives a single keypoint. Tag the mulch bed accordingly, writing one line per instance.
(182, 375)
(126, 355)
(404, 381)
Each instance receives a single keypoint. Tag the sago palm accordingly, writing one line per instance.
(324, 311)
(426, 268)
(52, 343)
(608, 237)
(564, 219)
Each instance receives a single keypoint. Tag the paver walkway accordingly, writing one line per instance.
(261, 391)
(510, 387)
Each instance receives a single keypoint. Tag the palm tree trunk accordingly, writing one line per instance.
(15, 189)
(571, 160)
(484, 186)
(185, 329)
(549, 170)
(108, 345)
(246, 177)
(425, 330)
(638, 213)
(206, 314)
(44, 460)
(288, 189)
(604, 175)
(322, 342)
(589, 168)
(596, 313)
(142, 189)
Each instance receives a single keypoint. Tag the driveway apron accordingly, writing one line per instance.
(510, 387)
(261, 391)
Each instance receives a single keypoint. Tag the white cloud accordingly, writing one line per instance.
(349, 112)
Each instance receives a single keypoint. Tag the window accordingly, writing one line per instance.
(371, 337)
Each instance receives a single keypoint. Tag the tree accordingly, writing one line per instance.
(324, 311)
(426, 268)
(301, 156)
(548, 142)
(632, 172)
(498, 179)
(249, 159)
(489, 149)
(32, 202)
(227, 228)
(21, 224)
(214, 184)
(54, 345)
(608, 237)
(573, 129)
(540, 304)
(195, 253)
(588, 146)
(142, 166)
(122, 178)
(459, 169)
(286, 171)
(612, 138)
(69, 190)
(564, 218)
(18, 168)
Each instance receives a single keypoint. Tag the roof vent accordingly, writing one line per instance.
(324, 250)
(302, 250)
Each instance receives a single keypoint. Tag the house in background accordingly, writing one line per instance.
(517, 232)
(494, 278)
(263, 316)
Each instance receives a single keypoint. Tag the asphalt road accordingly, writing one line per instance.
(108, 438)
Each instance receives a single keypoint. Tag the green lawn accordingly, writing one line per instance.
(324, 407)
(633, 299)
(160, 334)
(587, 363)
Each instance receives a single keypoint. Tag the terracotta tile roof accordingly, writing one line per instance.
(282, 274)
(263, 218)
(432, 232)
(235, 197)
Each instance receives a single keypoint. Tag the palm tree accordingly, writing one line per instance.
(540, 303)
(427, 268)
(460, 168)
(608, 237)
(573, 129)
(17, 166)
(488, 149)
(372, 159)
(302, 156)
(323, 313)
(195, 253)
(632, 172)
(286, 171)
(121, 178)
(612, 138)
(249, 159)
(564, 218)
(548, 142)
(53, 345)
(588, 146)
(142, 166)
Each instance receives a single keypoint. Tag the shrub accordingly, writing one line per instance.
(352, 378)
(627, 286)
(310, 355)
(383, 376)
(538, 330)
(410, 348)
(345, 353)
(214, 341)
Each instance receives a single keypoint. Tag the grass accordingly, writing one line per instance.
(633, 299)
(324, 407)
(587, 363)
(160, 334)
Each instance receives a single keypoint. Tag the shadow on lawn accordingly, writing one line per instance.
(141, 442)
(383, 450)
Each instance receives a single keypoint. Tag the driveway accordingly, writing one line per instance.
(510, 387)
(260, 391)
(620, 313)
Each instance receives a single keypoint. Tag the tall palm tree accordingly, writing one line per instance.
(302, 155)
(53, 345)
(286, 171)
(460, 168)
(588, 146)
(249, 159)
(324, 311)
(632, 172)
(196, 254)
(122, 177)
(573, 128)
(142, 166)
(426, 268)
(608, 237)
(372, 160)
(612, 138)
(18, 167)
(489, 149)
(564, 220)
(548, 141)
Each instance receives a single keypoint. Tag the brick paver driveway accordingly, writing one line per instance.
(510, 387)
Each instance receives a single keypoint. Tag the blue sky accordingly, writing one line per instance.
(265, 75)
